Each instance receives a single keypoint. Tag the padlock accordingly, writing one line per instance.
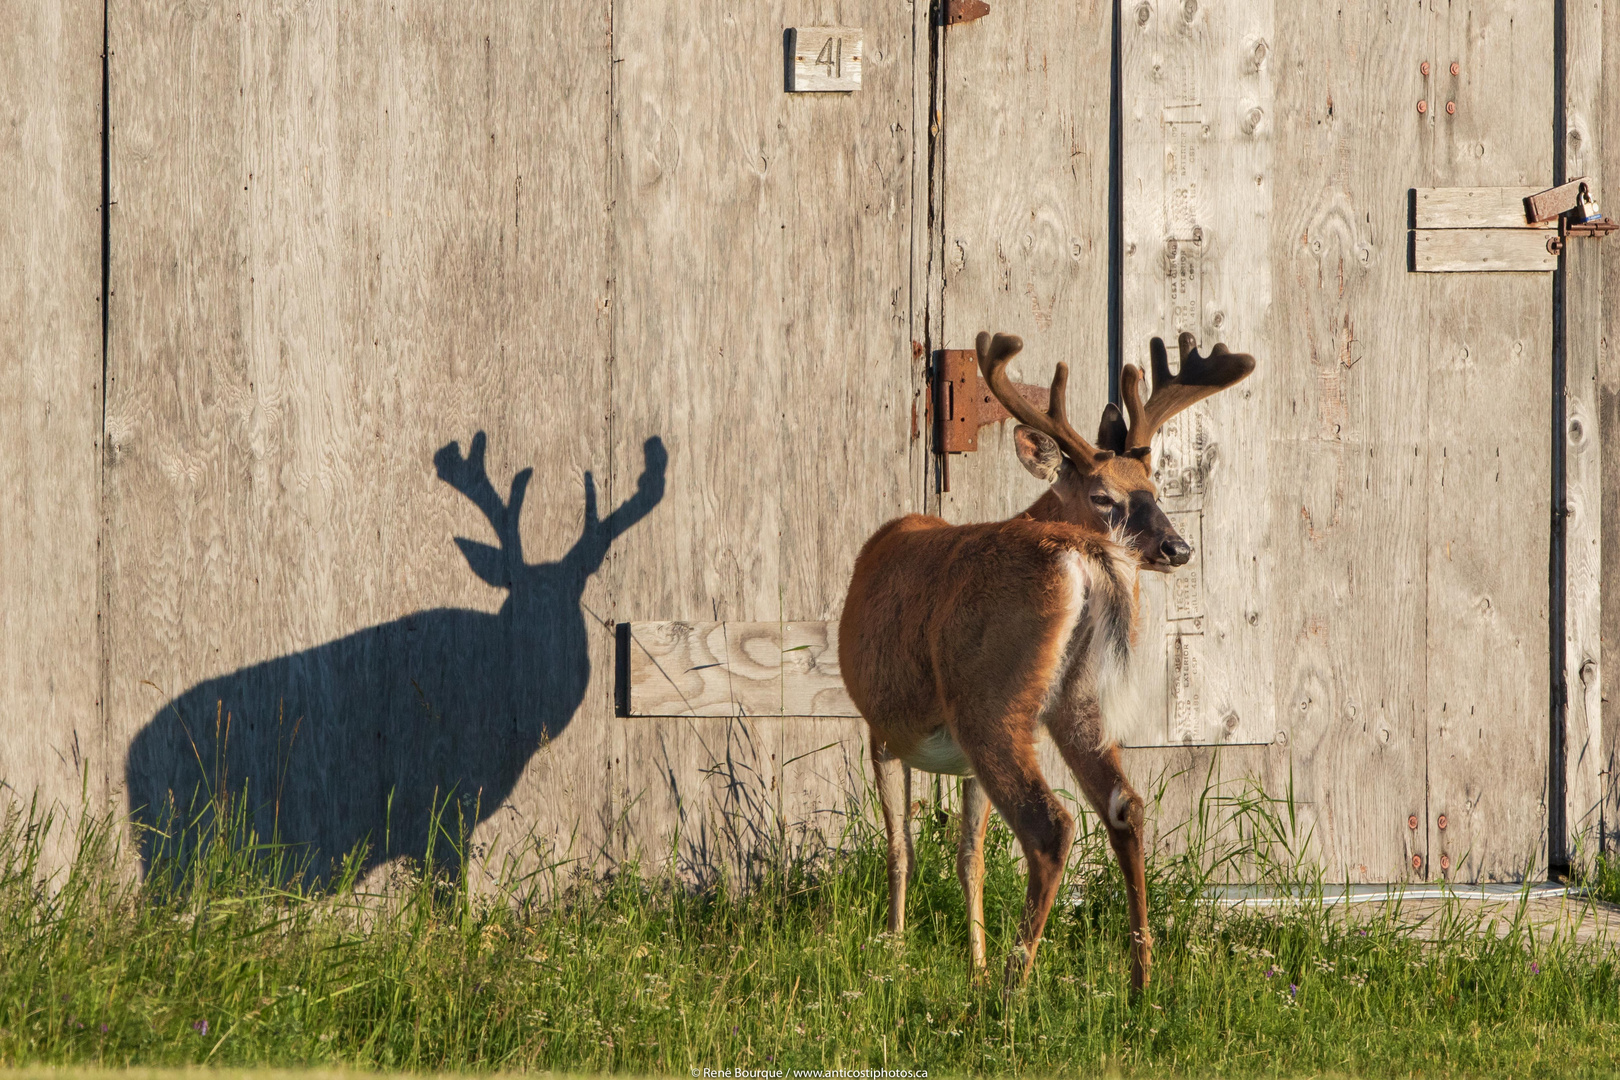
(1586, 208)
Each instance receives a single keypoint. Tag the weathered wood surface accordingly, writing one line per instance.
(1587, 752)
(1347, 420)
(1451, 251)
(1486, 489)
(736, 669)
(1475, 208)
(345, 238)
(1599, 122)
(50, 404)
(781, 379)
(1199, 128)
(1024, 229)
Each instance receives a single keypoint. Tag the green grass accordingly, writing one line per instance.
(222, 962)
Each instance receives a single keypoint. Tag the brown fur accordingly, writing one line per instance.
(971, 631)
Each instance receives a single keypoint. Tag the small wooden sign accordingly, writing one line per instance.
(824, 59)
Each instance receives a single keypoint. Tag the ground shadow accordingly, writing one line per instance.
(357, 742)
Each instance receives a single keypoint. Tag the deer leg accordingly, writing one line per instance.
(970, 864)
(1121, 808)
(1012, 779)
(894, 792)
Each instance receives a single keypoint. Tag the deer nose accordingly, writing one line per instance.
(1176, 551)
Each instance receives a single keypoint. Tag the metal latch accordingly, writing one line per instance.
(964, 11)
(1575, 206)
(962, 402)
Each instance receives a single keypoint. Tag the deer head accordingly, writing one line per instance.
(1108, 486)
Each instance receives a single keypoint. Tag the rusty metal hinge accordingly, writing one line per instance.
(961, 402)
(964, 11)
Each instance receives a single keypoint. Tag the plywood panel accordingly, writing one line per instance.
(1199, 181)
(1486, 490)
(1599, 120)
(50, 402)
(348, 237)
(780, 378)
(1348, 432)
(1586, 336)
(1024, 218)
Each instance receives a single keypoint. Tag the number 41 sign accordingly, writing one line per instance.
(824, 58)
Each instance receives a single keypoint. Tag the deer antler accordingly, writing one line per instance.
(1199, 377)
(993, 357)
(468, 476)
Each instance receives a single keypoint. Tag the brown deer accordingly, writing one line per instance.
(959, 642)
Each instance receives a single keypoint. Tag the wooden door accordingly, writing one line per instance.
(1366, 623)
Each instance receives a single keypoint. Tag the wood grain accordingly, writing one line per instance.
(736, 669)
(1489, 347)
(1347, 422)
(50, 407)
(350, 236)
(1475, 208)
(1586, 299)
(1601, 120)
(1024, 218)
(779, 374)
(1198, 178)
(1443, 251)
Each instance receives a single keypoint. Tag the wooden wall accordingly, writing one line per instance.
(346, 239)
(50, 400)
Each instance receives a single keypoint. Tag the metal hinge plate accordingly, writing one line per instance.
(964, 11)
(961, 402)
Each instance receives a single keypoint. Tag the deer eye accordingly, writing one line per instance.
(1103, 503)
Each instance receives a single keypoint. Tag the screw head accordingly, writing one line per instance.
(1423, 106)
(1417, 862)
(1442, 821)
(1456, 69)
(1445, 863)
(1451, 108)
(1411, 821)
(1424, 67)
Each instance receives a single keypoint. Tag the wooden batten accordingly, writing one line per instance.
(734, 669)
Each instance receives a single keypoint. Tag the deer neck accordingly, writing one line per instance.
(1046, 508)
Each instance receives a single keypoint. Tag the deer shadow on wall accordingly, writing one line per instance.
(363, 742)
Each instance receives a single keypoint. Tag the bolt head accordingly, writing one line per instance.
(1451, 108)
(1423, 107)
(1411, 821)
(1424, 67)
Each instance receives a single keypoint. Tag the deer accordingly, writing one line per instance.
(959, 643)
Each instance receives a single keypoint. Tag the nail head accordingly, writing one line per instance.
(1425, 67)
(1442, 821)
(1411, 821)
(1451, 108)
(1456, 69)
(1417, 862)
(1423, 106)
(1445, 862)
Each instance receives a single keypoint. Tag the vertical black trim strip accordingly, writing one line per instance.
(1558, 696)
(1116, 209)
(103, 556)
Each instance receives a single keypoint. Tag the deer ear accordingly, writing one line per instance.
(489, 563)
(1038, 452)
(1111, 432)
